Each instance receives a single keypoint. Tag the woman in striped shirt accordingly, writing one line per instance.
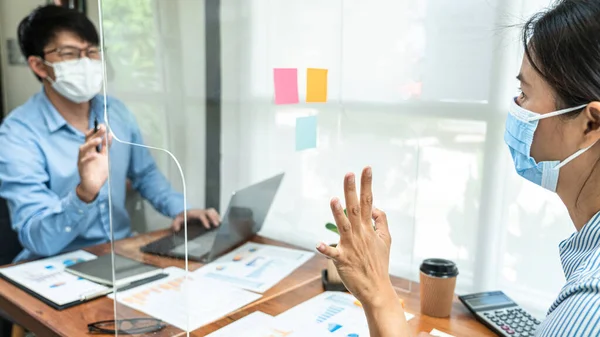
(552, 131)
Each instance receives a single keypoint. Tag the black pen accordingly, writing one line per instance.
(96, 131)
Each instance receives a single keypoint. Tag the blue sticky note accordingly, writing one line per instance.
(306, 133)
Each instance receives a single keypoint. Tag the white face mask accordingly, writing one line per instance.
(77, 80)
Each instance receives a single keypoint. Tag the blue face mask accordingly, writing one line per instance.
(520, 128)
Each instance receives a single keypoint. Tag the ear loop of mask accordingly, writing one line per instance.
(557, 113)
(109, 129)
(48, 78)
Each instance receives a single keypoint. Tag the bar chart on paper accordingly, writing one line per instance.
(328, 314)
(187, 303)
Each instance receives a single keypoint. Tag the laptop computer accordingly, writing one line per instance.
(244, 217)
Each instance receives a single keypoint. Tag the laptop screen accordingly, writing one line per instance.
(246, 214)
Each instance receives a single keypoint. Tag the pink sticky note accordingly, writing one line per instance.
(286, 85)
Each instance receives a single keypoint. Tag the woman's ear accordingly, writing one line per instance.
(591, 117)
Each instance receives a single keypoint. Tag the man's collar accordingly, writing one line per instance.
(55, 121)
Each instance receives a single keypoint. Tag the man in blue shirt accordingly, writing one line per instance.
(54, 166)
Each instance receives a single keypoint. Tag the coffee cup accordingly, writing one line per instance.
(438, 281)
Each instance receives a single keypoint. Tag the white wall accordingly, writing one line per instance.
(19, 83)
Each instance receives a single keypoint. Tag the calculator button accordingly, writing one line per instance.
(519, 329)
(499, 323)
(510, 331)
(536, 322)
(505, 327)
(503, 317)
(487, 314)
(525, 334)
(509, 321)
(530, 323)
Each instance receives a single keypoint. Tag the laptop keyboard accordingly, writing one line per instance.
(165, 245)
(198, 246)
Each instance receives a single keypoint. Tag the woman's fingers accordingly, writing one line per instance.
(366, 198)
(330, 252)
(342, 222)
(381, 223)
(352, 203)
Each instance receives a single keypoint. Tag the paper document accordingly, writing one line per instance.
(185, 303)
(328, 314)
(48, 278)
(257, 324)
(254, 266)
(436, 332)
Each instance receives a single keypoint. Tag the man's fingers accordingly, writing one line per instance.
(105, 145)
(88, 157)
(352, 204)
(100, 133)
(89, 145)
(342, 222)
(366, 197)
(330, 252)
(176, 224)
(381, 223)
(89, 133)
(204, 219)
(213, 216)
(110, 139)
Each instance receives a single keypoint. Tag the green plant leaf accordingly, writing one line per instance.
(332, 228)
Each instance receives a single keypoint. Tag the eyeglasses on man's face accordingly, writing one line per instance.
(70, 53)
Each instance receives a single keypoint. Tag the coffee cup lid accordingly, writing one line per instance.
(439, 268)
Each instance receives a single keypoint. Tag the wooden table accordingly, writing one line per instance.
(301, 285)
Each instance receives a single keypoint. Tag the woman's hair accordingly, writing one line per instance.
(563, 46)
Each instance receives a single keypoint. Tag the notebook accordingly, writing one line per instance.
(47, 280)
(126, 271)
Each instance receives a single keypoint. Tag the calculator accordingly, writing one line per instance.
(501, 314)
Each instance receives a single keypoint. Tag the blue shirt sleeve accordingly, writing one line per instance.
(45, 223)
(577, 315)
(147, 179)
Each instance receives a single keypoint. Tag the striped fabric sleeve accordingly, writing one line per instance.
(577, 315)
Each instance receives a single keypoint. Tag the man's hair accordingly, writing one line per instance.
(40, 27)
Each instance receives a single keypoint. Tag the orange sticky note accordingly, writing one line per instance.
(316, 85)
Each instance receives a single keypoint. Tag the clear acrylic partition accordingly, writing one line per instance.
(155, 87)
